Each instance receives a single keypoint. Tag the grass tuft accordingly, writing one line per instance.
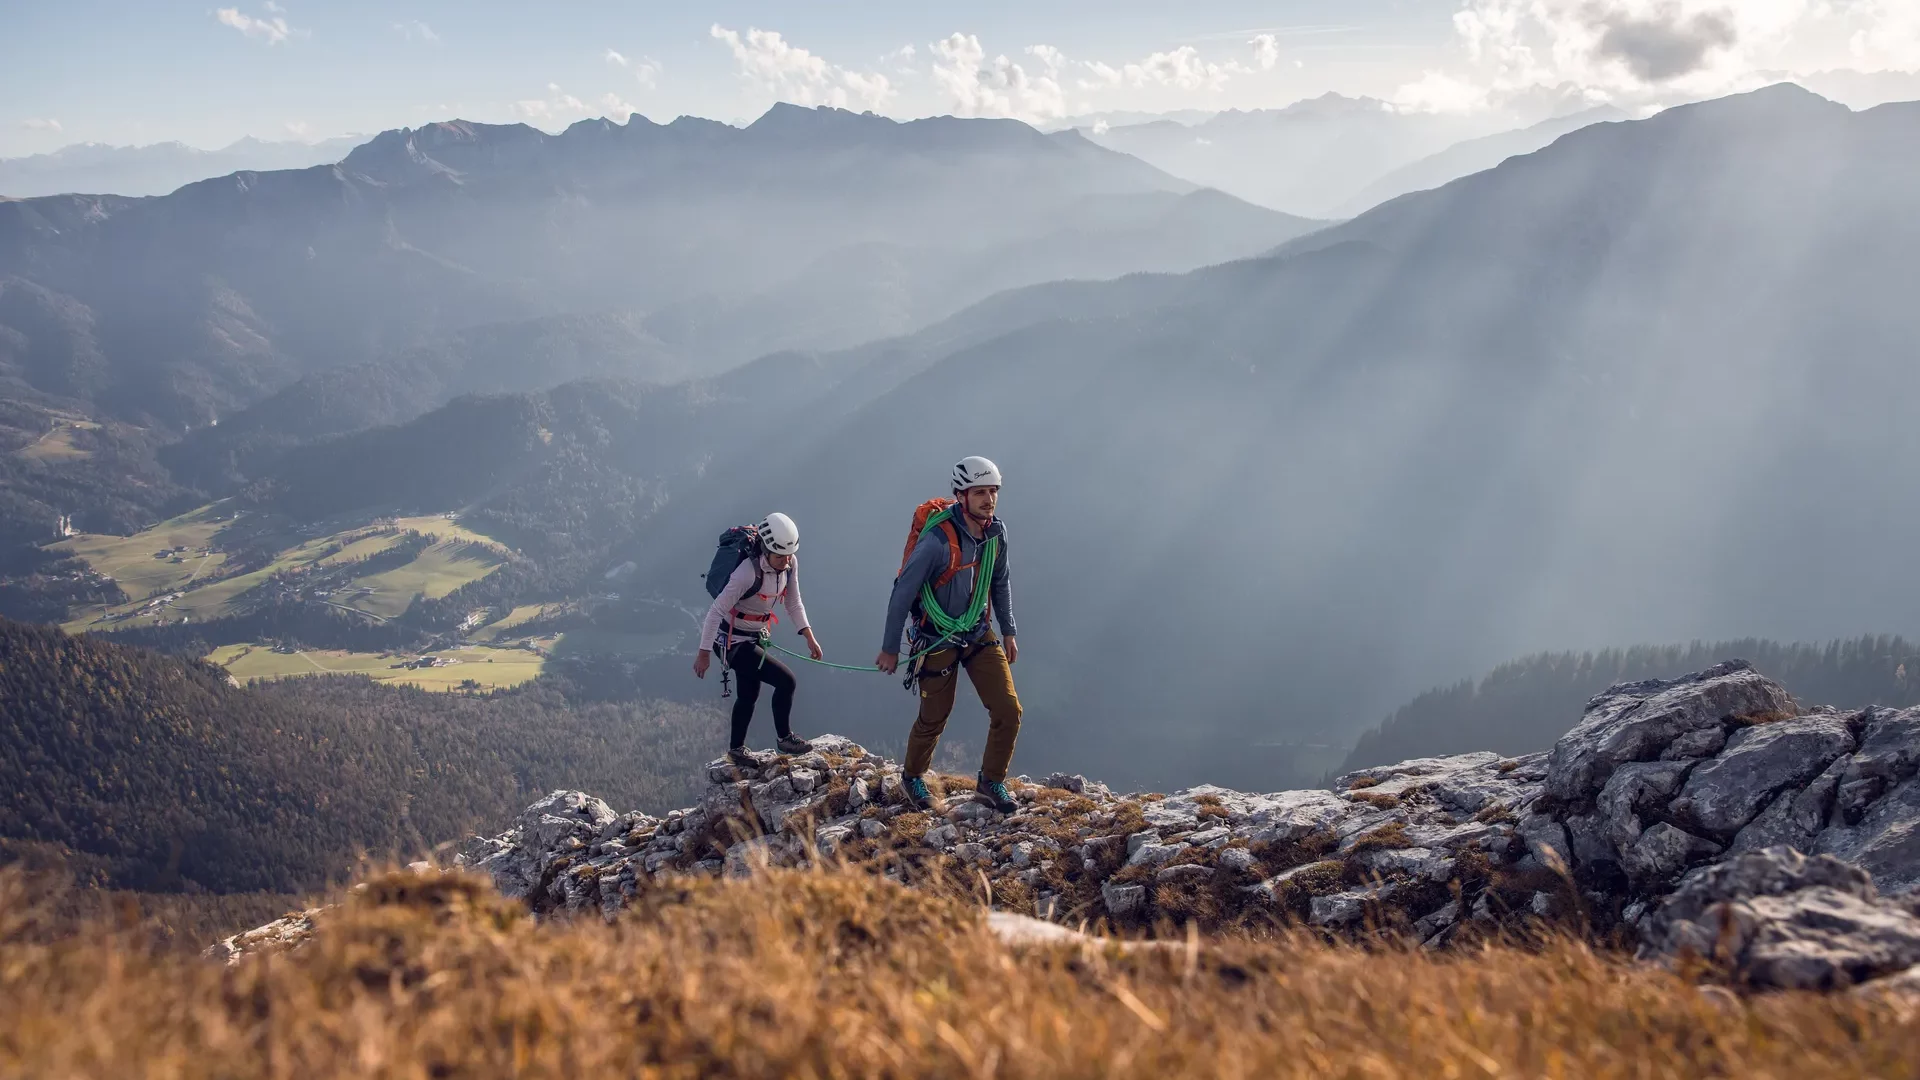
(843, 974)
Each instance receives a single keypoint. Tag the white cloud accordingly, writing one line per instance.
(1179, 69)
(977, 86)
(1645, 52)
(615, 107)
(37, 123)
(1266, 51)
(1889, 38)
(273, 30)
(557, 105)
(299, 129)
(791, 73)
(416, 30)
(998, 87)
(1439, 92)
(273, 7)
(646, 70)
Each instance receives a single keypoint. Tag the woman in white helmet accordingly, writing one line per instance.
(767, 576)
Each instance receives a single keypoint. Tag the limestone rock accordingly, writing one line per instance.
(1650, 785)
(1639, 721)
(1236, 859)
(1634, 790)
(1184, 872)
(1726, 791)
(1123, 900)
(1156, 854)
(1664, 851)
(281, 933)
(1344, 908)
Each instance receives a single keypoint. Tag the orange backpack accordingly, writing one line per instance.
(921, 515)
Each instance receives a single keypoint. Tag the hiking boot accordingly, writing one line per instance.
(995, 794)
(917, 793)
(793, 744)
(743, 757)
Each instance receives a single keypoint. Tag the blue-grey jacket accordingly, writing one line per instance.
(927, 563)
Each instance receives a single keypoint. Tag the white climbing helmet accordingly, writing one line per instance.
(975, 472)
(779, 535)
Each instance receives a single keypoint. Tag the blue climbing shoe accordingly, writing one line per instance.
(995, 794)
(918, 793)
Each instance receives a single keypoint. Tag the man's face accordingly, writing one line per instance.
(981, 501)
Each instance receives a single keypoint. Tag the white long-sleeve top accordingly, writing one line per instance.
(746, 612)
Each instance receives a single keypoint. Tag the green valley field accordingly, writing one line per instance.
(182, 568)
(484, 667)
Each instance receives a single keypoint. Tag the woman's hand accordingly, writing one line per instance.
(700, 661)
(813, 643)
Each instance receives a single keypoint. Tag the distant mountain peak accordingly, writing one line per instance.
(1329, 104)
(785, 116)
(1336, 102)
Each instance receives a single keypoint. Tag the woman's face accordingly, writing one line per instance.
(779, 562)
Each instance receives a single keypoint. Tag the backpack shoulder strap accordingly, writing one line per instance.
(953, 569)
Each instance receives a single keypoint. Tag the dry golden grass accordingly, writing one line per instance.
(843, 974)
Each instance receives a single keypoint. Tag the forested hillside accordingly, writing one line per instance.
(155, 774)
(1524, 706)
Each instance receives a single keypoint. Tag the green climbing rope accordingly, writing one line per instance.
(948, 625)
(766, 642)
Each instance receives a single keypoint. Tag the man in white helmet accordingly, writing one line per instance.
(959, 566)
(742, 610)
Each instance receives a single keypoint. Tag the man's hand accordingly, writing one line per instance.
(1013, 649)
(813, 643)
(700, 661)
(887, 662)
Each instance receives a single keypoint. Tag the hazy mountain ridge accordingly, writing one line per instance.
(204, 299)
(1310, 158)
(462, 258)
(1469, 157)
(157, 168)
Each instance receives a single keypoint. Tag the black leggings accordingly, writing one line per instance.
(753, 667)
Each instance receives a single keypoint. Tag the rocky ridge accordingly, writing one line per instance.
(1709, 815)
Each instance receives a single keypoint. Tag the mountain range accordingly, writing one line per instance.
(157, 168)
(461, 258)
(808, 227)
(1469, 157)
(1311, 158)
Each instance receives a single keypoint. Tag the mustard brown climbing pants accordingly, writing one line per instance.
(987, 666)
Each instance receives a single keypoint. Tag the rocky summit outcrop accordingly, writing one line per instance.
(1709, 815)
(1073, 850)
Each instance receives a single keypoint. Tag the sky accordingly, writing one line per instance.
(143, 71)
